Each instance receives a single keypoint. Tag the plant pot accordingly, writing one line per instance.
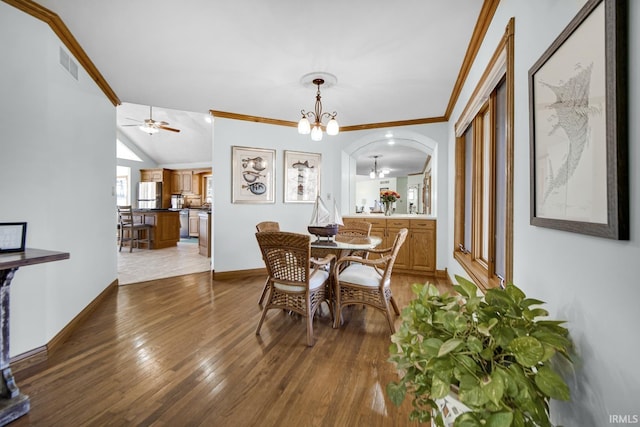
(450, 408)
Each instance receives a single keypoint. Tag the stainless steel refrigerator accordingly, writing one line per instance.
(150, 195)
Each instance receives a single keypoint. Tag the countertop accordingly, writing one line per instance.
(364, 216)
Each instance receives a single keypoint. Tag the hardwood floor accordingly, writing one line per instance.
(183, 351)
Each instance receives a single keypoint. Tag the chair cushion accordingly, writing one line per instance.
(362, 275)
(315, 282)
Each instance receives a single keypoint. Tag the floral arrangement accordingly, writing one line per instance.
(389, 196)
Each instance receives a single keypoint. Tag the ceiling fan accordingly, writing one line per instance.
(151, 126)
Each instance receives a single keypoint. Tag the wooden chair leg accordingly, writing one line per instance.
(395, 306)
(264, 313)
(309, 325)
(264, 291)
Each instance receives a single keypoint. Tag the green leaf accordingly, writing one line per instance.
(500, 419)
(449, 346)
(439, 388)
(499, 298)
(493, 388)
(468, 419)
(396, 392)
(503, 334)
(536, 312)
(553, 339)
(514, 292)
(474, 344)
(473, 397)
(468, 287)
(485, 328)
(531, 301)
(552, 384)
(528, 351)
(431, 346)
(454, 322)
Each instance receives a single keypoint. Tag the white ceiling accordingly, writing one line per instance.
(393, 60)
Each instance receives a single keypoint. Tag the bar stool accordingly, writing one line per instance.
(130, 230)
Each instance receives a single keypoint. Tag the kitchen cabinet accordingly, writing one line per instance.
(422, 245)
(152, 175)
(182, 181)
(159, 175)
(393, 227)
(193, 222)
(418, 253)
(204, 242)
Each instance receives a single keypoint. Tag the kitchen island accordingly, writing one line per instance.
(165, 224)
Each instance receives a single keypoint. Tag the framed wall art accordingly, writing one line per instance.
(13, 236)
(301, 176)
(253, 175)
(578, 126)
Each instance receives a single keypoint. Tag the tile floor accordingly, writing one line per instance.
(142, 264)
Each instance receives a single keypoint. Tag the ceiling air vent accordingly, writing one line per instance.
(68, 63)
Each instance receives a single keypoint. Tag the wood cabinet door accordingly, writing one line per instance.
(176, 183)
(187, 176)
(194, 224)
(423, 250)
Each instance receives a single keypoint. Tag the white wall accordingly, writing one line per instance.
(235, 245)
(369, 189)
(57, 172)
(591, 282)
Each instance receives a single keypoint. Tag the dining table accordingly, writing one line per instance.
(341, 246)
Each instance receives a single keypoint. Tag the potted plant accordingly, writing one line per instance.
(494, 350)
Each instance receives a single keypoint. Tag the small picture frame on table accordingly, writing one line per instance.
(13, 236)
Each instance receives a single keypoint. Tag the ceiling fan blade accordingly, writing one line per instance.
(135, 120)
(169, 129)
(128, 125)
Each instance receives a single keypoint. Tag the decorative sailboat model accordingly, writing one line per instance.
(324, 223)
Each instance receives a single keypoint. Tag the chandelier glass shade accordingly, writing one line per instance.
(375, 172)
(305, 126)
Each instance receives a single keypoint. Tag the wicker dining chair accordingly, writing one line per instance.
(368, 281)
(296, 282)
(266, 226)
(354, 229)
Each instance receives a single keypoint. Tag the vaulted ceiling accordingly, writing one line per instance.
(394, 61)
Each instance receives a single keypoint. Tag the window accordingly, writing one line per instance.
(123, 192)
(483, 220)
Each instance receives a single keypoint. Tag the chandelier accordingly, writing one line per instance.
(304, 126)
(374, 171)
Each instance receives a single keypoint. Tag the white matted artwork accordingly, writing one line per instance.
(253, 175)
(301, 176)
(577, 107)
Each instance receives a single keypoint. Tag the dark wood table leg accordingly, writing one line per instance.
(13, 404)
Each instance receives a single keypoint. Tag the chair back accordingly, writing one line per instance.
(268, 226)
(397, 244)
(286, 256)
(355, 229)
(125, 216)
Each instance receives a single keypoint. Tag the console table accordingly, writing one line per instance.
(14, 404)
